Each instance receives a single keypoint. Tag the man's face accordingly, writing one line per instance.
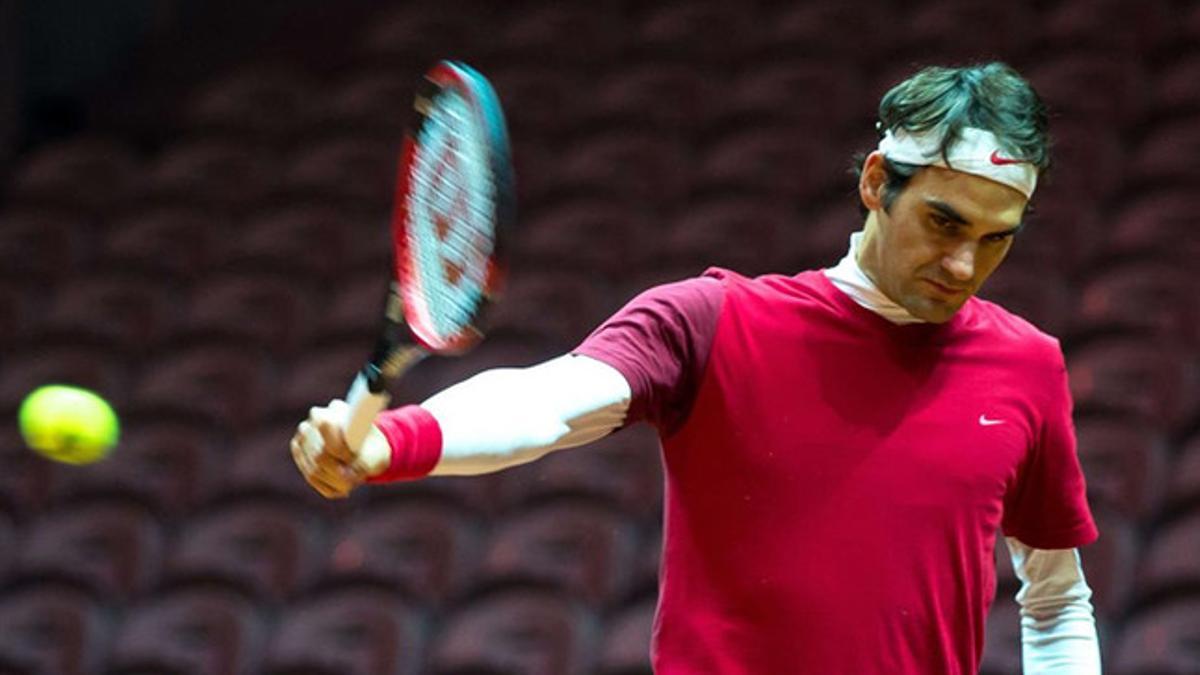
(943, 236)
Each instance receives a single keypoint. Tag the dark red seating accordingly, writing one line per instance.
(427, 548)
(174, 243)
(1168, 561)
(646, 171)
(529, 632)
(201, 630)
(1160, 640)
(115, 549)
(270, 311)
(577, 546)
(271, 549)
(40, 244)
(1148, 297)
(626, 648)
(355, 171)
(1002, 639)
(1126, 463)
(1156, 382)
(91, 175)
(256, 103)
(125, 312)
(219, 176)
(171, 468)
(359, 630)
(52, 628)
(219, 383)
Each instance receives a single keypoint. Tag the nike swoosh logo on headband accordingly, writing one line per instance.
(1003, 161)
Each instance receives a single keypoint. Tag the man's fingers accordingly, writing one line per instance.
(334, 442)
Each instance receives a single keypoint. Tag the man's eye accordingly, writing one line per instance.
(943, 223)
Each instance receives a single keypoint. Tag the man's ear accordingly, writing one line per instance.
(871, 181)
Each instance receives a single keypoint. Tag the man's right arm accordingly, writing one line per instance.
(494, 420)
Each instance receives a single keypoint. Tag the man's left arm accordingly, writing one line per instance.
(1058, 629)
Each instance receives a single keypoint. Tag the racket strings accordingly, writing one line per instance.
(451, 216)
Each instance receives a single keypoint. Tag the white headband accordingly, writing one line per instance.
(977, 152)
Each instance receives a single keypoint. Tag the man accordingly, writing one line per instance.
(841, 446)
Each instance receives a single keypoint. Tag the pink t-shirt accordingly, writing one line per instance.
(835, 483)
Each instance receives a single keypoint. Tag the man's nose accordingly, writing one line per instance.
(960, 262)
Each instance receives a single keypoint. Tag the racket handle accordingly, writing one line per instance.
(364, 406)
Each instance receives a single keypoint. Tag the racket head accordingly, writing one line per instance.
(454, 205)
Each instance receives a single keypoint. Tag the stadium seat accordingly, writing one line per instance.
(1158, 224)
(309, 242)
(1109, 25)
(807, 93)
(270, 311)
(626, 648)
(353, 307)
(77, 364)
(369, 101)
(539, 28)
(526, 632)
(1126, 463)
(622, 469)
(1002, 639)
(42, 245)
(1175, 93)
(710, 31)
(778, 160)
(644, 171)
(1159, 640)
(1097, 89)
(655, 96)
(1038, 295)
(1110, 563)
(171, 468)
(749, 236)
(592, 237)
(1168, 562)
(26, 484)
(219, 383)
(551, 307)
(114, 549)
(411, 36)
(1184, 484)
(173, 243)
(1167, 154)
(255, 102)
(427, 548)
(577, 546)
(828, 29)
(352, 172)
(8, 545)
(90, 175)
(935, 26)
(21, 311)
(1147, 297)
(125, 312)
(223, 177)
(1091, 162)
(196, 630)
(52, 628)
(355, 631)
(551, 103)
(1158, 383)
(271, 549)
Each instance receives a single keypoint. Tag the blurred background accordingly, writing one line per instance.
(193, 207)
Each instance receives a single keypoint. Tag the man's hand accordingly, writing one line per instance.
(326, 462)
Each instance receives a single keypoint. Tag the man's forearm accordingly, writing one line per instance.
(1058, 629)
(509, 416)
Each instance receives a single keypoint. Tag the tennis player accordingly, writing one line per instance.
(842, 446)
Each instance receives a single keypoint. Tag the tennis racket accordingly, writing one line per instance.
(454, 202)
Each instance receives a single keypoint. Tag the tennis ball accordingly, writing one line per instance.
(68, 424)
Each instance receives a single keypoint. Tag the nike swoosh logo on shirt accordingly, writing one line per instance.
(985, 422)
(1002, 161)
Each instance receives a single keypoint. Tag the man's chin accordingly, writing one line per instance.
(933, 311)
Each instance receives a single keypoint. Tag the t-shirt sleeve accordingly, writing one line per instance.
(660, 342)
(1047, 505)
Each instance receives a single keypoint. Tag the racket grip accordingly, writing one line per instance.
(364, 406)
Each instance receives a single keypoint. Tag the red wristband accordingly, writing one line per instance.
(415, 440)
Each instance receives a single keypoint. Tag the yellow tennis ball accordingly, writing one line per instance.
(68, 424)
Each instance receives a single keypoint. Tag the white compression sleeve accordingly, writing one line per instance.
(508, 416)
(1058, 630)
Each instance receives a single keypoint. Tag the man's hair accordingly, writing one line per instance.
(989, 96)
